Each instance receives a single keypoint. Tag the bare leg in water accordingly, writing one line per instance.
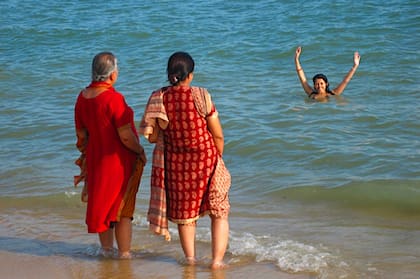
(123, 231)
(220, 237)
(106, 239)
(187, 238)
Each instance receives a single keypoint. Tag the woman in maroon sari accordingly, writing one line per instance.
(189, 178)
(112, 158)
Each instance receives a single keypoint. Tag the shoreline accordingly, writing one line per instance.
(26, 265)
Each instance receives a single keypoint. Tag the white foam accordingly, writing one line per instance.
(289, 255)
(71, 193)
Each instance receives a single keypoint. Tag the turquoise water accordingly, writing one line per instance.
(307, 176)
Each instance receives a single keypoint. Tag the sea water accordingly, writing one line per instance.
(325, 189)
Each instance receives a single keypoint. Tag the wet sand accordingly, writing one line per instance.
(26, 265)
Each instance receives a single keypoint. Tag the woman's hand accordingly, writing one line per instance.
(356, 59)
(298, 52)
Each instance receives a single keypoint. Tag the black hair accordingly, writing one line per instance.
(180, 65)
(324, 78)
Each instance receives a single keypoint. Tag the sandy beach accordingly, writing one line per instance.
(27, 265)
(76, 255)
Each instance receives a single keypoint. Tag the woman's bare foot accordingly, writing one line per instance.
(190, 260)
(219, 265)
(106, 252)
(125, 255)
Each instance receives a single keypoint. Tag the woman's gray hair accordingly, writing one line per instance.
(103, 65)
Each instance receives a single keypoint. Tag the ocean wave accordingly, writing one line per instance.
(397, 196)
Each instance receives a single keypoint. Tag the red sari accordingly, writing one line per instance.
(109, 164)
(190, 157)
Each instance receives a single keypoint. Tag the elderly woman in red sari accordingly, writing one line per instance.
(189, 178)
(112, 158)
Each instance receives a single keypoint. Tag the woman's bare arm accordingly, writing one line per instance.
(301, 74)
(340, 88)
(215, 128)
(131, 142)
